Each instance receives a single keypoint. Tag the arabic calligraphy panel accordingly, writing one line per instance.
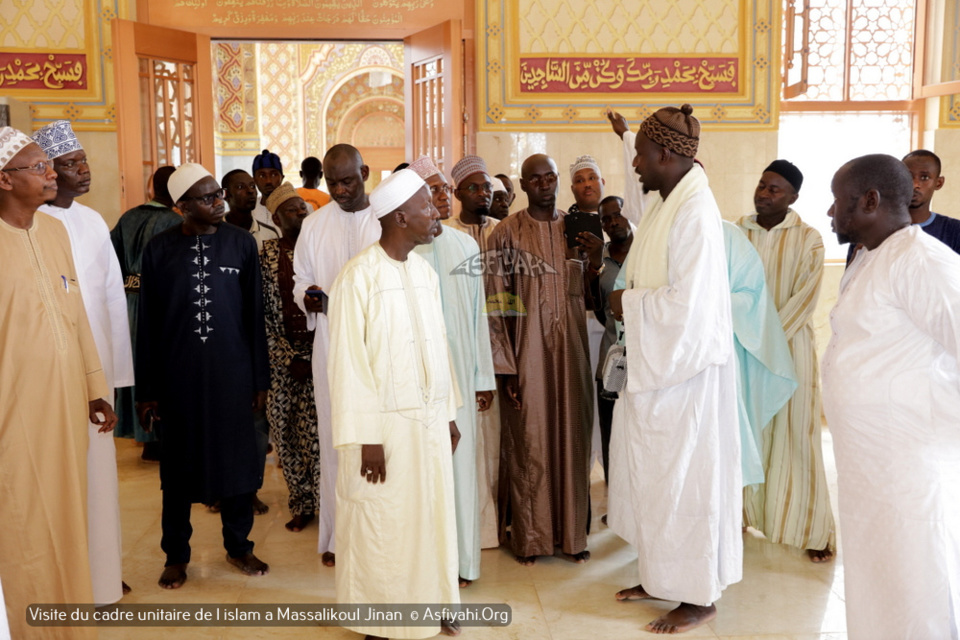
(557, 65)
(45, 71)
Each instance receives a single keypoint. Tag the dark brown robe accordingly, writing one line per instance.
(538, 332)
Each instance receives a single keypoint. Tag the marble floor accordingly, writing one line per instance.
(783, 596)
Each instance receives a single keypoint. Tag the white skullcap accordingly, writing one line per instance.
(497, 185)
(186, 175)
(394, 191)
(57, 139)
(12, 141)
(467, 166)
(424, 167)
(584, 162)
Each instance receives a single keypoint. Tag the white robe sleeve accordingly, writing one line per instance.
(485, 375)
(633, 197)
(117, 311)
(675, 332)
(356, 417)
(304, 268)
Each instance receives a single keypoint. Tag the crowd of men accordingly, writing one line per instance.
(430, 380)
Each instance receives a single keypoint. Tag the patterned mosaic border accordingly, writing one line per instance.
(98, 113)
(501, 109)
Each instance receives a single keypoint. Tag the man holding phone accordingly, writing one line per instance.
(329, 238)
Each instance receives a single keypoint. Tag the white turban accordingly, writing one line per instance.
(12, 141)
(186, 175)
(584, 162)
(497, 185)
(394, 191)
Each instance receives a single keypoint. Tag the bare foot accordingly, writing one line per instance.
(329, 559)
(250, 565)
(259, 506)
(125, 587)
(579, 558)
(683, 618)
(820, 555)
(633, 593)
(173, 576)
(527, 561)
(449, 628)
(299, 522)
(464, 582)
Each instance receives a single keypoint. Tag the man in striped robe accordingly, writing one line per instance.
(793, 506)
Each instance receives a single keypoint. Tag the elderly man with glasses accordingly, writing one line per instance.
(202, 370)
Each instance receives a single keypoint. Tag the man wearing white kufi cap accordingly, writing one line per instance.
(202, 369)
(98, 272)
(329, 237)
(455, 256)
(395, 399)
(52, 385)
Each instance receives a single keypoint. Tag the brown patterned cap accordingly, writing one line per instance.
(424, 167)
(467, 166)
(280, 195)
(675, 129)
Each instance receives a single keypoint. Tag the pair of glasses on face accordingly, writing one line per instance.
(474, 189)
(207, 199)
(437, 189)
(40, 168)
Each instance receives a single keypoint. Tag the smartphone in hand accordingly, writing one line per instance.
(321, 295)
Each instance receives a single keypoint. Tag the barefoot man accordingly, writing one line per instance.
(394, 400)
(202, 369)
(675, 481)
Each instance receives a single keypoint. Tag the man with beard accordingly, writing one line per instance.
(675, 477)
(290, 405)
(98, 273)
(475, 219)
(475, 192)
(468, 334)
(538, 334)
(201, 351)
(328, 239)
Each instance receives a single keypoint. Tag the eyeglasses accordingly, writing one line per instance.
(40, 168)
(207, 199)
(474, 189)
(441, 188)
